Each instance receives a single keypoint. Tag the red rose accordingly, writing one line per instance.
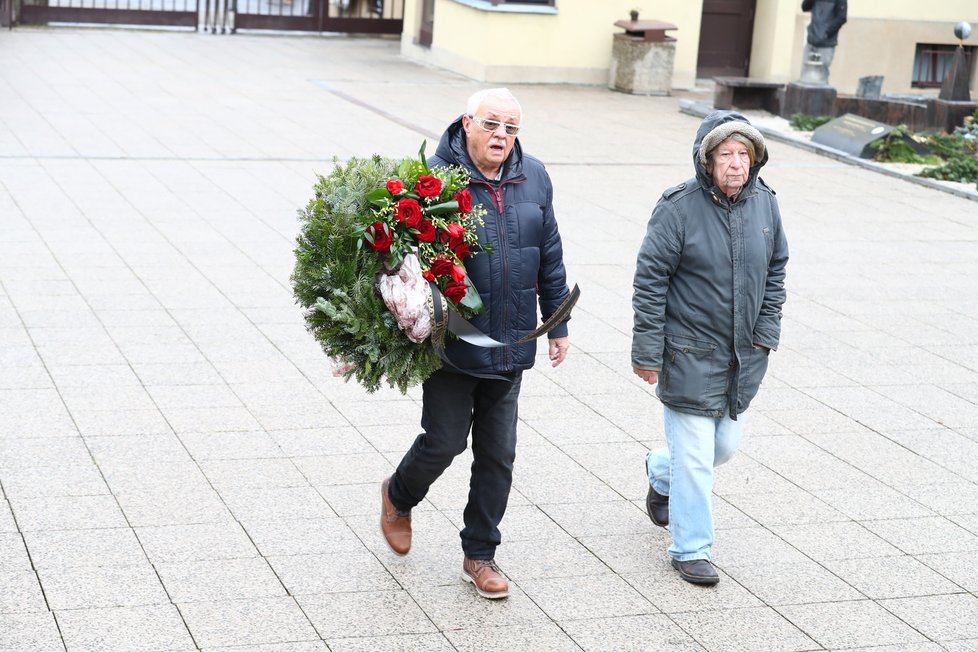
(428, 276)
(395, 186)
(458, 273)
(428, 186)
(379, 236)
(413, 221)
(452, 235)
(407, 210)
(464, 199)
(455, 291)
(462, 250)
(441, 266)
(455, 230)
(426, 231)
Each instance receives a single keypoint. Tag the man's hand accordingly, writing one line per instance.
(651, 376)
(558, 350)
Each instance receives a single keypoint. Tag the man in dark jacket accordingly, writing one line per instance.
(708, 291)
(828, 17)
(482, 392)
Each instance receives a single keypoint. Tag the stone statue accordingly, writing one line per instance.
(828, 17)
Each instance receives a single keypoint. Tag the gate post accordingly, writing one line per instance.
(7, 13)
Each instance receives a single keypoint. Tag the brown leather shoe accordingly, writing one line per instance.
(484, 574)
(395, 524)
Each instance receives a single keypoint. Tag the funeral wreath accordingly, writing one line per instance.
(374, 239)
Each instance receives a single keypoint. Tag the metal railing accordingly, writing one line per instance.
(220, 16)
(182, 13)
(356, 16)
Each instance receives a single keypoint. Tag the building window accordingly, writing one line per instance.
(932, 61)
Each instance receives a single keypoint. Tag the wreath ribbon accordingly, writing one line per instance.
(445, 320)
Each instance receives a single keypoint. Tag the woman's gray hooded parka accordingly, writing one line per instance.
(709, 284)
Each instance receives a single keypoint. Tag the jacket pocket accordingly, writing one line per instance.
(691, 373)
(752, 370)
(529, 220)
(768, 242)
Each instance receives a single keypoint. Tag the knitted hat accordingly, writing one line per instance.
(723, 131)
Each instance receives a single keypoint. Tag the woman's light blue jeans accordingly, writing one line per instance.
(684, 472)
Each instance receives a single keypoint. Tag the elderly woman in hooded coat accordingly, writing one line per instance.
(708, 291)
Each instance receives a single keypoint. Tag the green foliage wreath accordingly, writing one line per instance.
(333, 281)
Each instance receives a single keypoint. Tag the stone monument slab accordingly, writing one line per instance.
(870, 86)
(851, 134)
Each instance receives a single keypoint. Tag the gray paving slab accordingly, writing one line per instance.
(850, 624)
(631, 633)
(396, 643)
(177, 462)
(348, 571)
(892, 577)
(98, 587)
(21, 592)
(30, 631)
(156, 627)
(68, 512)
(372, 613)
(940, 618)
(539, 637)
(752, 628)
(246, 621)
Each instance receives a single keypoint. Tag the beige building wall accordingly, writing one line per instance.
(573, 43)
(774, 38)
(870, 46)
(880, 38)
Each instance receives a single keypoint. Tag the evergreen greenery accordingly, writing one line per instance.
(895, 147)
(953, 154)
(333, 281)
(961, 168)
(958, 152)
(803, 122)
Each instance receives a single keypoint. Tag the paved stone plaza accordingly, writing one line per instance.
(180, 471)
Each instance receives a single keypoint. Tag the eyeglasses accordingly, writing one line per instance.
(493, 125)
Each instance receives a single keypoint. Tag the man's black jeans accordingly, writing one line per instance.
(452, 404)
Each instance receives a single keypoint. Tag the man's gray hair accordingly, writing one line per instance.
(480, 96)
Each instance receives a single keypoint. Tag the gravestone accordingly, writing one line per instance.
(851, 134)
(870, 86)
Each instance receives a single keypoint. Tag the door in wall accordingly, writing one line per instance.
(725, 38)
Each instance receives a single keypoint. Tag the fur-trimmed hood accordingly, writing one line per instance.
(717, 127)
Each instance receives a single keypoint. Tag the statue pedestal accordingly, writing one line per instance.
(809, 99)
(947, 115)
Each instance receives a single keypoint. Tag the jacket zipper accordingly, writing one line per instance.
(499, 203)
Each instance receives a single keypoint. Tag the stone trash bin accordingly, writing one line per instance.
(642, 58)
